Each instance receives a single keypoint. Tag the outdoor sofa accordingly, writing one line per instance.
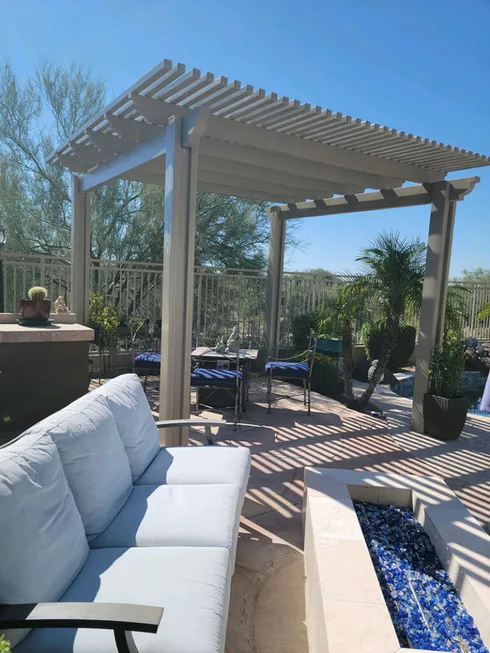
(101, 528)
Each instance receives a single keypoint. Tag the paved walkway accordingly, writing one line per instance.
(267, 602)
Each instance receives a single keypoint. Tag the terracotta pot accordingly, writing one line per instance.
(444, 418)
(36, 310)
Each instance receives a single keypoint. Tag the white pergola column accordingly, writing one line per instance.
(80, 252)
(434, 296)
(178, 279)
(277, 244)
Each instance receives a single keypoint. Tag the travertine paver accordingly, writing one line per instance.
(267, 601)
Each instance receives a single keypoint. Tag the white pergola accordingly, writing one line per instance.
(187, 131)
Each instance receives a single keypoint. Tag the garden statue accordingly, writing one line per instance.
(233, 341)
(60, 306)
(219, 346)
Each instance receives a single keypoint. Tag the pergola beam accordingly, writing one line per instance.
(253, 185)
(108, 144)
(252, 136)
(261, 165)
(89, 154)
(133, 130)
(286, 163)
(264, 196)
(120, 166)
(156, 111)
(385, 199)
(151, 175)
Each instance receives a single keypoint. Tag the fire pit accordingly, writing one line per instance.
(419, 575)
(424, 606)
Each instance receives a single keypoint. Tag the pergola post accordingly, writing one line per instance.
(178, 279)
(434, 294)
(80, 251)
(277, 243)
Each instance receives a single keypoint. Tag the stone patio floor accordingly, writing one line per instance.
(267, 609)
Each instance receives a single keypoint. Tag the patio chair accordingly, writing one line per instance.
(218, 380)
(297, 367)
(148, 361)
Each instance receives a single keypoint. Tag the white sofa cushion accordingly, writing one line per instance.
(42, 541)
(198, 466)
(93, 458)
(176, 515)
(134, 420)
(191, 584)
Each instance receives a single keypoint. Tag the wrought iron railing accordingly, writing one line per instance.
(222, 297)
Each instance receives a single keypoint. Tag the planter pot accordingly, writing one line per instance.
(123, 332)
(444, 418)
(37, 310)
(329, 346)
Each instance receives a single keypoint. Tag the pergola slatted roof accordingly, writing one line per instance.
(257, 144)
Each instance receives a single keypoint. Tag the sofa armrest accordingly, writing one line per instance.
(122, 618)
(207, 423)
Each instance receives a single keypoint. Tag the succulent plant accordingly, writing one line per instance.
(37, 292)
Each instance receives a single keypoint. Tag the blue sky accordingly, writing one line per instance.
(421, 66)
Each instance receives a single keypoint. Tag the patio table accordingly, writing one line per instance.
(247, 356)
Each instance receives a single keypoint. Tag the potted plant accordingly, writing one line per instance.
(36, 308)
(445, 409)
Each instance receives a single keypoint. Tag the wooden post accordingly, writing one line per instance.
(178, 280)
(80, 252)
(277, 243)
(434, 294)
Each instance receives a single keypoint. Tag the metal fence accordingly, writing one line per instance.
(222, 297)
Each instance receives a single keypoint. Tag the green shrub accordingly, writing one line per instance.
(301, 327)
(104, 320)
(4, 645)
(325, 377)
(405, 344)
(374, 336)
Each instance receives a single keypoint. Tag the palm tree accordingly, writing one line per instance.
(484, 311)
(393, 278)
(457, 312)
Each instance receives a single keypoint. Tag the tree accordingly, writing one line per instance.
(394, 274)
(34, 196)
(231, 232)
(321, 272)
(127, 217)
(477, 275)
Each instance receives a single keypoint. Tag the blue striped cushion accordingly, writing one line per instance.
(203, 376)
(287, 369)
